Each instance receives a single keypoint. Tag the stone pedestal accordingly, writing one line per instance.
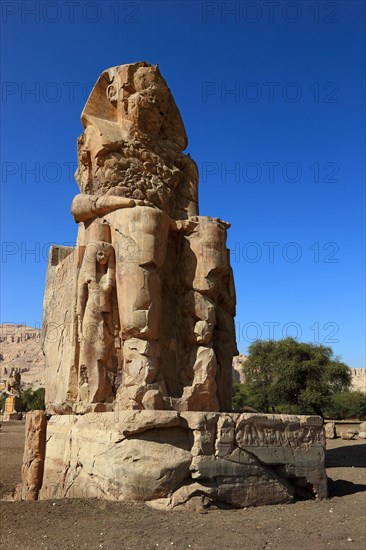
(12, 409)
(170, 459)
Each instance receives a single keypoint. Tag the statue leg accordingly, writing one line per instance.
(205, 251)
(94, 382)
(139, 236)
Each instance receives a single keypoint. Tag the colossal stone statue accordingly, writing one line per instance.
(139, 333)
(12, 385)
(167, 294)
(13, 390)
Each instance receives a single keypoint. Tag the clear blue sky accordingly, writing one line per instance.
(272, 97)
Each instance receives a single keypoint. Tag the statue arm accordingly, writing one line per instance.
(189, 225)
(111, 271)
(86, 207)
(82, 297)
(183, 226)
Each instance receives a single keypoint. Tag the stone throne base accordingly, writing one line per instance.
(171, 459)
(12, 409)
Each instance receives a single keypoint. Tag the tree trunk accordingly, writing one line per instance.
(318, 411)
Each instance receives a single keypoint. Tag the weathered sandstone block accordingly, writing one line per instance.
(362, 430)
(166, 458)
(330, 430)
(34, 456)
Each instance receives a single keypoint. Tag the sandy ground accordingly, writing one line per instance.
(336, 523)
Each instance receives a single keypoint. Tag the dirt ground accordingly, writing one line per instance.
(336, 523)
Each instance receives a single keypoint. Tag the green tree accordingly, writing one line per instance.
(287, 373)
(347, 405)
(33, 400)
(2, 401)
(240, 397)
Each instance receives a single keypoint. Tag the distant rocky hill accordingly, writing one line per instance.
(359, 380)
(20, 348)
(238, 370)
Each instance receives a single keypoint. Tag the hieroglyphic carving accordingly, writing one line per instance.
(98, 324)
(276, 434)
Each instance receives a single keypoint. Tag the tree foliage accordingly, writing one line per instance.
(296, 375)
(241, 397)
(346, 405)
(33, 400)
(2, 401)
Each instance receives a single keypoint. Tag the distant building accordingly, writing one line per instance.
(358, 380)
